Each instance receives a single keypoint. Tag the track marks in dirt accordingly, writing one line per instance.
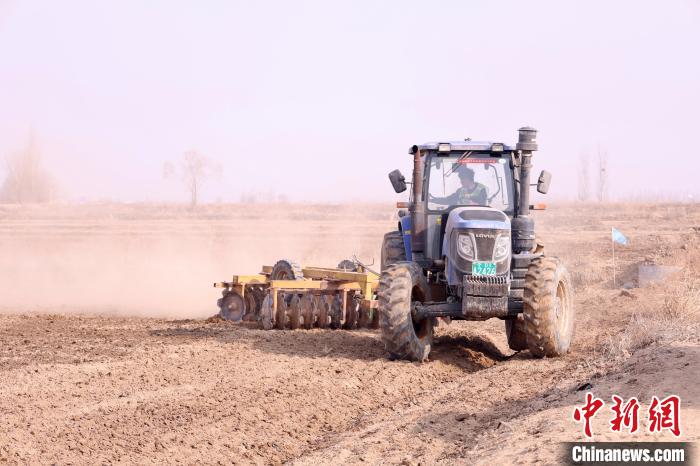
(138, 389)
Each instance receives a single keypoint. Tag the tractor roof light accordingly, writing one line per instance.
(497, 147)
(444, 147)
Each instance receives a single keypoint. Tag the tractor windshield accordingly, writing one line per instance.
(478, 179)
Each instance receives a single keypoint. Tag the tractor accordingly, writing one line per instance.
(465, 249)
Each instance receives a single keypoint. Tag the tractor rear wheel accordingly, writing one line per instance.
(548, 307)
(515, 332)
(393, 250)
(404, 338)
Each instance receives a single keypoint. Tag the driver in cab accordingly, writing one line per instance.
(471, 192)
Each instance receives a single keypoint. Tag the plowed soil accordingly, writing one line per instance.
(87, 375)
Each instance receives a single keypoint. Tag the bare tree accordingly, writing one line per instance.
(602, 174)
(584, 178)
(194, 169)
(27, 180)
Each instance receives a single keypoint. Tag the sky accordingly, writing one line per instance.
(318, 101)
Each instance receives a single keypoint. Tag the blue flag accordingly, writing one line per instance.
(618, 237)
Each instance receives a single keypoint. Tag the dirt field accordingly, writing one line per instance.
(106, 354)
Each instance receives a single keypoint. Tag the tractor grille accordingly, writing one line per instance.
(486, 286)
(485, 297)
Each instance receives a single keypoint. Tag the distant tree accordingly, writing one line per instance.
(602, 174)
(194, 170)
(27, 180)
(584, 178)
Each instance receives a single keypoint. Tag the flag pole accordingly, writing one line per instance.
(613, 251)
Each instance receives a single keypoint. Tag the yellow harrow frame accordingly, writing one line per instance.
(355, 292)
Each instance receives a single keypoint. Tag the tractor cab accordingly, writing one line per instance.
(469, 178)
(467, 185)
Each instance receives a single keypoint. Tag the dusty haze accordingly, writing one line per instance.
(318, 101)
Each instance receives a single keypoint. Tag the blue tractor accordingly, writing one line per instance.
(465, 248)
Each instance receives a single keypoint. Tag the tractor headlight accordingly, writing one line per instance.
(502, 248)
(465, 247)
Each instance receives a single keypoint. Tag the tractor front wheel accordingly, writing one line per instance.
(393, 250)
(548, 307)
(404, 338)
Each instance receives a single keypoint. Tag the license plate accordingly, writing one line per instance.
(483, 268)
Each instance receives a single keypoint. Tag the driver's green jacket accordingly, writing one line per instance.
(463, 196)
(477, 196)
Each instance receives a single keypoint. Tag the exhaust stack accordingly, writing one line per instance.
(526, 145)
(417, 210)
(523, 226)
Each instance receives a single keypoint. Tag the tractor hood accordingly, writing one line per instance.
(476, 234)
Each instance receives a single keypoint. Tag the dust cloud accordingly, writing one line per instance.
(161, 261)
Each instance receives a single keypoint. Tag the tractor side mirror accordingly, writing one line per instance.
(398, 181)
(543, 182)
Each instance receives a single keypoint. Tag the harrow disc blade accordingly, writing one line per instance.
(253, 303)
(266, 318)
(281, 317)
(294, 312)
(307, 310)
(352, 312)
(324, 311)
(233, 306)
(336, 306)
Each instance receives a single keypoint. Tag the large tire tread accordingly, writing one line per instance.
(544, 337)
(398, 285)
(393, 249)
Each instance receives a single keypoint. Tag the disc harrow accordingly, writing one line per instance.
(287, 296)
